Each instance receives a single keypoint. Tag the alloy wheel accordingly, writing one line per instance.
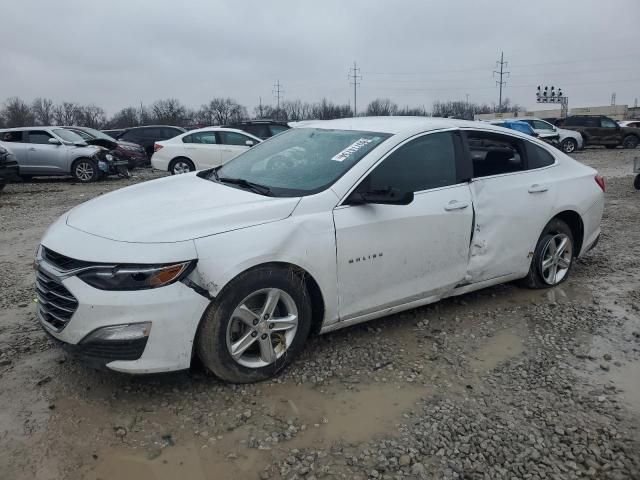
(556, 259)
(181, 167)
(84, 171)
(262, 328)
(568, 146)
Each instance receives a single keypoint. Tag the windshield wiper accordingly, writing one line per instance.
(255, 187)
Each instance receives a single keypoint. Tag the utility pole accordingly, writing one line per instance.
(260, 107)
(277, 93)
(613, 99)
(635, 103)
(501, 74)
(353, 77)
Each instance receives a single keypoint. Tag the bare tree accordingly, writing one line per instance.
(220, 111)
(42, 109)
(91, 116)
(382, 107)
(66, 113)
(169, 111)
(127, 117)
(17, 113)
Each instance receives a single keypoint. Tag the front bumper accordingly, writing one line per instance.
(174, 313)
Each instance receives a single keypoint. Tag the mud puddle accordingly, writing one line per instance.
(504, 345)
(347, 414)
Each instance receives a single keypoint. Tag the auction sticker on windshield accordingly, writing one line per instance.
(351, 149)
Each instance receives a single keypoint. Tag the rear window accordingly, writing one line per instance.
(538, 157)
(14, 136)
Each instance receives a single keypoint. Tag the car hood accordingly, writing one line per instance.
(175, 209)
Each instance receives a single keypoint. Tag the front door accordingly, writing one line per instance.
(392, 254)
(202, 148)
(43, 157)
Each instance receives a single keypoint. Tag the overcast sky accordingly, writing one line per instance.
(118, 53)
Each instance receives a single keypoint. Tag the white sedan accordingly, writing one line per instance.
(321, 227)
(199, 149)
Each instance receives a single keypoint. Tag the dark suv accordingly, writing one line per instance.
(148, 135)
(601, 130)
(262, 129)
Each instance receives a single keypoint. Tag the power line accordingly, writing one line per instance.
(501, 83)
(353, 80)
(277, 93)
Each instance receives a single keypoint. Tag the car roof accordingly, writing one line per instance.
(396, 125)
(219, 129)
(152, 126)
(22, 129)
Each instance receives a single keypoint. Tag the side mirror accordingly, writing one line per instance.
(249, 143)
(54, 141)
(388, 196)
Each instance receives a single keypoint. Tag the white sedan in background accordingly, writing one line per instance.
(199, 149)
(319, 228)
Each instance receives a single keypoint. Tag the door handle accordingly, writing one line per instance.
(535, 188)
(455, 205)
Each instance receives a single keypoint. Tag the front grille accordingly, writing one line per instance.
(113, 350)
(56, 304)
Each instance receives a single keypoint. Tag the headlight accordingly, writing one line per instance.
(109, 157)
(136, 277)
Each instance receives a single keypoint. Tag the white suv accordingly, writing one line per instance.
(318, 228)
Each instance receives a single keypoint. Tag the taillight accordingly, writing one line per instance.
(156, 147)
(600, 181)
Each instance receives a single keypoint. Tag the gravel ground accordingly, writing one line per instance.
(504, 383)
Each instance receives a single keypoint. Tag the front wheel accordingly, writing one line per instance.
(553, 257)
(181, 165)
(569, 145)
(257, 326)
(85, 170)
(630, 141)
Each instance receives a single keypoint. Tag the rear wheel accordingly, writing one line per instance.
(85, 170)
(181, 165)
(553, 257)
(630, 141)
(569, 145)
(256, 327)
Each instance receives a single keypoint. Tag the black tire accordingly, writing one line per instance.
(636, 182)
(26, 178)
(178, 165)
(123, 171)
(535, 278)
(610, 147)
(630, 141)
(85, 170)
(569, 145)
(3, 183)
(211, 341)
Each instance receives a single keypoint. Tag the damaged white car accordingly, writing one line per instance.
(318, 228)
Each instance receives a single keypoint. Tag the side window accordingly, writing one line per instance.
(152, 133)
(538, 157)
(607, 123)
(276, 129)
(38, 136)
(233, 138)
(537, 124)
(168, 133)
(208, 138)
(572, 122)
(592, 122)
(131, 136)
(424, 163)
(14, 136)
(260, 131)
(494, 154)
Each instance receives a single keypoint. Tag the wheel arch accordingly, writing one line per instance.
(575, 223)
(176, 158)
(311, 285)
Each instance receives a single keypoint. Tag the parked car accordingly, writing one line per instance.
(568, 140)
(516, 125)
(133, 153)
(630, 123)
(365, 217)
(57, 151)
(602, 130)
(8, 166)
(262, 129)
(113, 133)
(147, 136)
(199, 149)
